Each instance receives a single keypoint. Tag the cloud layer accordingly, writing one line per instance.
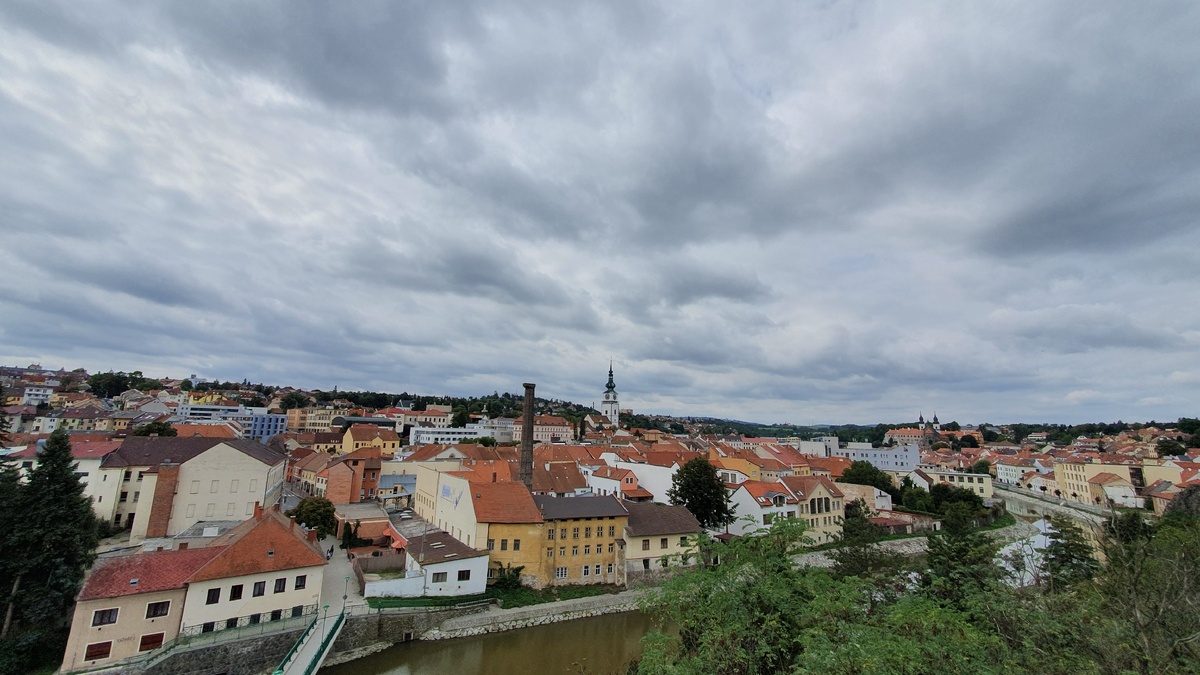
(804, 212)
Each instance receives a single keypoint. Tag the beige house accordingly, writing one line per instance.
(657, 537)
(265, 569)
(160, 486)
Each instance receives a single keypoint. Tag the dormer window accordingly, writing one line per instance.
(270, 553)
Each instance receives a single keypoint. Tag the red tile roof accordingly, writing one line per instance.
(503, 503)
(269, 543)
(161, 571)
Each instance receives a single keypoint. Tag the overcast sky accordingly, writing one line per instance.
(806, 212)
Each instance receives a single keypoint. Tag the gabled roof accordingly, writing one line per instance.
(566, 508)
(369, 432)
(154, 450)
(804, 486)
(154, 572)
(439, 547)
(504, 503)
(611, 473)
(648, 519)
(557, 477)
(270, 542)
(764, 493)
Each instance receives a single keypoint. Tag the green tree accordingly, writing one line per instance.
(968, 441)
(697, 486)
(865, 473)
(186, 385)
(56, 534)
(315, 512)
(108, 385)
(982, 466)
(961, 560)
(1168, 448)
(293, 399)
(1067, 560)
(155, 429)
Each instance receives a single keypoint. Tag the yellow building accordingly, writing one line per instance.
(585, 538)
(658, 537)
(1074, 473)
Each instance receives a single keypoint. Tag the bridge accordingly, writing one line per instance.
(309, 652)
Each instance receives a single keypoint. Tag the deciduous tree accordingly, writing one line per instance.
(697, 486)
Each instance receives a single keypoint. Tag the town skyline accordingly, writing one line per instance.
(819, 214)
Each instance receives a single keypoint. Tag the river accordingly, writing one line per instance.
(597, 645)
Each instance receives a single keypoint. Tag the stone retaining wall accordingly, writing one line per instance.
(498, 620)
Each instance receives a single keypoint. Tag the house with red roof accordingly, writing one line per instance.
(265, 569)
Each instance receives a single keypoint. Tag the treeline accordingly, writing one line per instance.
(746, 607)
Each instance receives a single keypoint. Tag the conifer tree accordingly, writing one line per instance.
(47, 549)
(696, 486)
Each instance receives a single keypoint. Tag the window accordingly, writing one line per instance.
(503, 544)
(298, 610)
(128, 475)
(233, 485)
(151, 641)
(229, 508)
(597, 570)
(208, 627)
(682, 541)
(260, 588)
(214, 596)
(612, 530)
(645, 544)
(210, 511)
(587, 533)
(562, 534)
(662, 543)
(97, 650)
(610, 568)
(574, 532)
(550, 534)
(439, 577)
(646, 564)
(103, 617)
(191, 510)
(235, 592)
(301, 581)
(550, 553)
(157, 609)
(491, 573)
(491, 544)
(464, 575)
(139, 475)
(276, 614)
(231, 623)
(560, 573)
(574, 550)
(280, 585)
(610, 548)
(587, 550)
(124, 496)
(562, 550)
(255, 618)
(216, 485)
(516, 544)
(587, 571)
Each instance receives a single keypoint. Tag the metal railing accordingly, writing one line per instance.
(319, 657)
(287, 658)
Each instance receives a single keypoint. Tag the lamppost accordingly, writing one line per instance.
(345, 593)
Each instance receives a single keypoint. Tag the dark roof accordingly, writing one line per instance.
(155, 450)
(438, 547)
(648, 519)
(564, 508)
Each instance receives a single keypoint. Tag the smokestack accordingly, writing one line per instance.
(526, 470)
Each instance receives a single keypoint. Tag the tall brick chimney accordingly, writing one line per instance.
(526, 470)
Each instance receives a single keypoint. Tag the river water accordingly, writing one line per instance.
(596, 645)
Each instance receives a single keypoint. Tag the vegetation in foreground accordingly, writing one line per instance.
(962, 612)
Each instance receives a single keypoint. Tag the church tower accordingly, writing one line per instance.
(609, 407)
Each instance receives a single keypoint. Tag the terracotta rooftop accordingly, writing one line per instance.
(268, 543)
(504, 503)
(153, 572)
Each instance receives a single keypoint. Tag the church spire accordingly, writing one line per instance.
(611, 385)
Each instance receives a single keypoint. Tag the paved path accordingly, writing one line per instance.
(339, 580)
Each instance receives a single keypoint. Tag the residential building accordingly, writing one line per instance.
(548, 429)
(979, 483)
(657, 537)
(588, 542)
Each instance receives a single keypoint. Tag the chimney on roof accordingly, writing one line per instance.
(526, 470)
(258, 511)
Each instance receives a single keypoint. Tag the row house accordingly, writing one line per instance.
(658, 537)
(263, 570)
(928, 476)
(813, 499)
(359, 436)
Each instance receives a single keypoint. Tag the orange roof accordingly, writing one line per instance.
(804, 486)
(205, 430)
(269, 542)
(503, 503)
(763, 491)
(834, 465)
(145, 572)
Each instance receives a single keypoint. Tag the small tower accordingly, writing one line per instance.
(937, 426)
(609, 408)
